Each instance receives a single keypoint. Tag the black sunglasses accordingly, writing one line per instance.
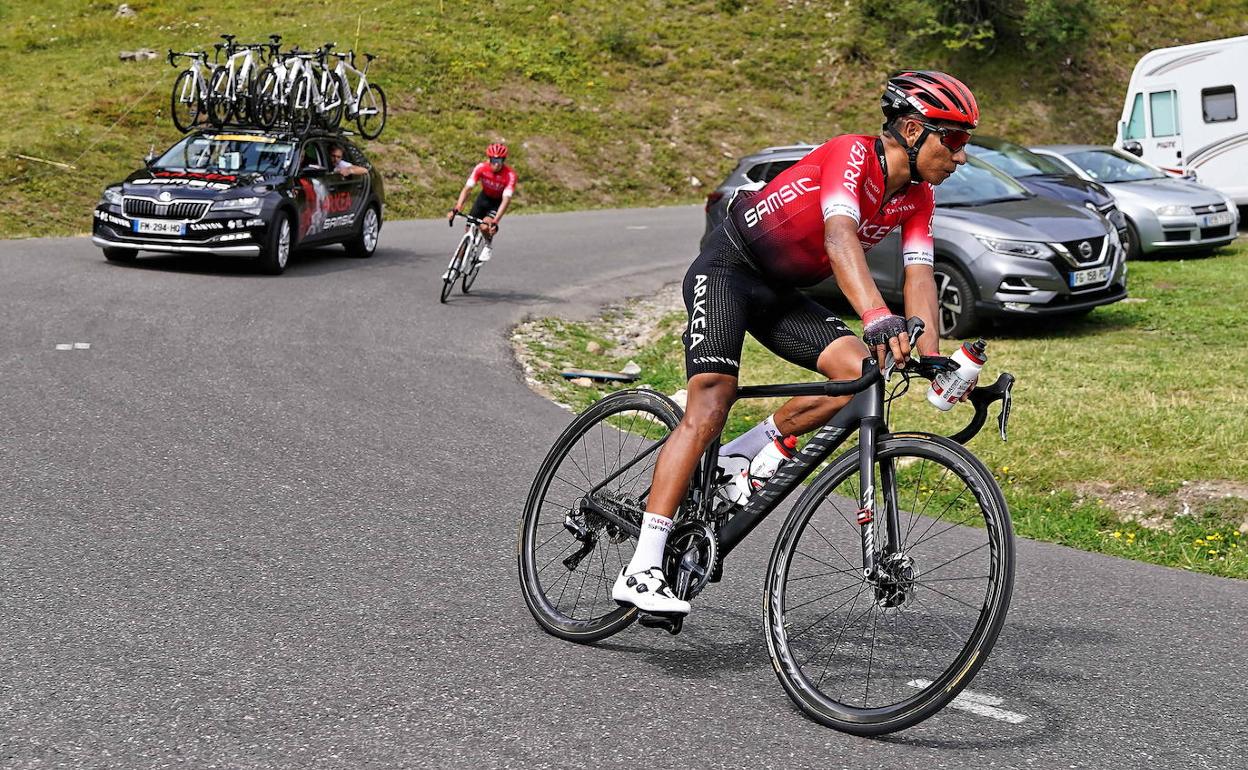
(952, 138)
(497, 160)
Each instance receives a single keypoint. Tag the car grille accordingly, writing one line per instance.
(144, 207)
(1210, 209)
(1090, 257)
(1215, 232)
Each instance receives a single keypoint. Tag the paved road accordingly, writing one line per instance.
(269, 522)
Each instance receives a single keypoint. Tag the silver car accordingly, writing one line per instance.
(1001, 251)
(1164, 213)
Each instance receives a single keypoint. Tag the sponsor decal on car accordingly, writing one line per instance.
(207, 226)
(111, 219)
(342, 220)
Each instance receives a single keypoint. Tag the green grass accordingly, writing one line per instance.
(604, 103)
(1144, 395)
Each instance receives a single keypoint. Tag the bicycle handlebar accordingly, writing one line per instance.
(469, 217)
(870, 376)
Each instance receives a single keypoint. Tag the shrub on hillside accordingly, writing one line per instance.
(980, 25)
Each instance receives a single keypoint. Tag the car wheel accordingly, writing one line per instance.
(955, 302)
(1134, 244)
(120, 255)
(364, 243)
(276, 251)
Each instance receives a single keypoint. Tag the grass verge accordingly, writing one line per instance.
(1127, 426)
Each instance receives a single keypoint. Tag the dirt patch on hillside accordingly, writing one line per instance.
(1156, 511)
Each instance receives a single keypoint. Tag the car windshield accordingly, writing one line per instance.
(976, 183)
(227, 154)
(1019, 161)
(1113, 166)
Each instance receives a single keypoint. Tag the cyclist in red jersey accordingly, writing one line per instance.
(816, 219)
(498, 183)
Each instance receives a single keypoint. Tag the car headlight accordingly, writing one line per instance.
(1016, 248)
(234, 204)
(1175, 211)
(112, 196)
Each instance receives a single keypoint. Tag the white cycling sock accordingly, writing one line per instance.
(649, 553)
(753, 440)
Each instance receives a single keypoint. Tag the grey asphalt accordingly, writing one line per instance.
(270, 522)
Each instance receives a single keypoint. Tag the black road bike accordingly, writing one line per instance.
(887, 585)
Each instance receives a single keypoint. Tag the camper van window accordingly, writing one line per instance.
(1218, 104)
(1165, 121)
(1135, 127)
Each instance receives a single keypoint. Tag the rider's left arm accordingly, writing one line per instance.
(919, 291)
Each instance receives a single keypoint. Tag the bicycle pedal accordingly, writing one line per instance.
(670, 624)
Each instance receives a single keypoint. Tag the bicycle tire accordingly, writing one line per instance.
(266, 105)
(331, 118)
(921, 689)
(453, 268)
(220, 106)
(299, 107)
(474, 267)
(371, 123)
(193, 105)
(622, 420)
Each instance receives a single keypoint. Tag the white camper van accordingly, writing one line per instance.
(1182, 113)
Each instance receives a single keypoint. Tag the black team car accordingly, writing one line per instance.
(243, 194)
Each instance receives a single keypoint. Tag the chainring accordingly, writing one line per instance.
(691, 557)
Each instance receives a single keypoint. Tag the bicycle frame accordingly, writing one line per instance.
(864, 413)
(361, 83)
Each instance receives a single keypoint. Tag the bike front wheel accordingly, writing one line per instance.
(873, 654)
(220, 101)
(569, 555)
(185, 105)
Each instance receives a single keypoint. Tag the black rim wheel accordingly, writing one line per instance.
(187, 108)
(452, 270)
(372, 116)
(566, 580)
(872, 656)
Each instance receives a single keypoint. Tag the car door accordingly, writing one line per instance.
(1164, 146)
(348, 194)
(311, 191)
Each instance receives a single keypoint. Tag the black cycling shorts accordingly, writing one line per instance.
(485, 206)
(726, 296)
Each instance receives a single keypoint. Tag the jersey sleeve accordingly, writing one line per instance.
(475, 175)
(510, 183)
(841, 176)
(917, 247)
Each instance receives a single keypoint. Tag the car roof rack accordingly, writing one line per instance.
(277, 130)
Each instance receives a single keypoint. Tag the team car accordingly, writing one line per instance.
(245, 194)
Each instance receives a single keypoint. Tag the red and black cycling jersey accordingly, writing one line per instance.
(495, 185)
(783, 224)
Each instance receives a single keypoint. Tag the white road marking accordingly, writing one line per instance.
(64, 346)
(82, 346)
(979, 703)
(637, 227)
(73, 346)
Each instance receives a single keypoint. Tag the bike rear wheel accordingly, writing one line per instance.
(473, 267)
(266, 102)
(334, 95)
(455, 266)
(299, 107)
(371, 118)
(566, 576)
(870, 656)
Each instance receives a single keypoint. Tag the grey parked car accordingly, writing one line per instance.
(1001, 251)
(1049, 177)
(1164, 213)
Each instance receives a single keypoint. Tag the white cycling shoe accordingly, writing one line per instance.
(648, 591)
(486, 253)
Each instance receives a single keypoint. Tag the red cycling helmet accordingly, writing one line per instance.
(496, 150)
(934, 95)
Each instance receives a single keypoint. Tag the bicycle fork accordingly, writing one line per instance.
(874, 553)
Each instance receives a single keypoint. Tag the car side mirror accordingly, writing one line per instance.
(1134, 147)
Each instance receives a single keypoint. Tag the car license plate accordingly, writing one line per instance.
(158, 227)
(1086, 277)
(1217, 220)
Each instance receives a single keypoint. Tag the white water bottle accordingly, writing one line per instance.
(948, 388)
(768, 461)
